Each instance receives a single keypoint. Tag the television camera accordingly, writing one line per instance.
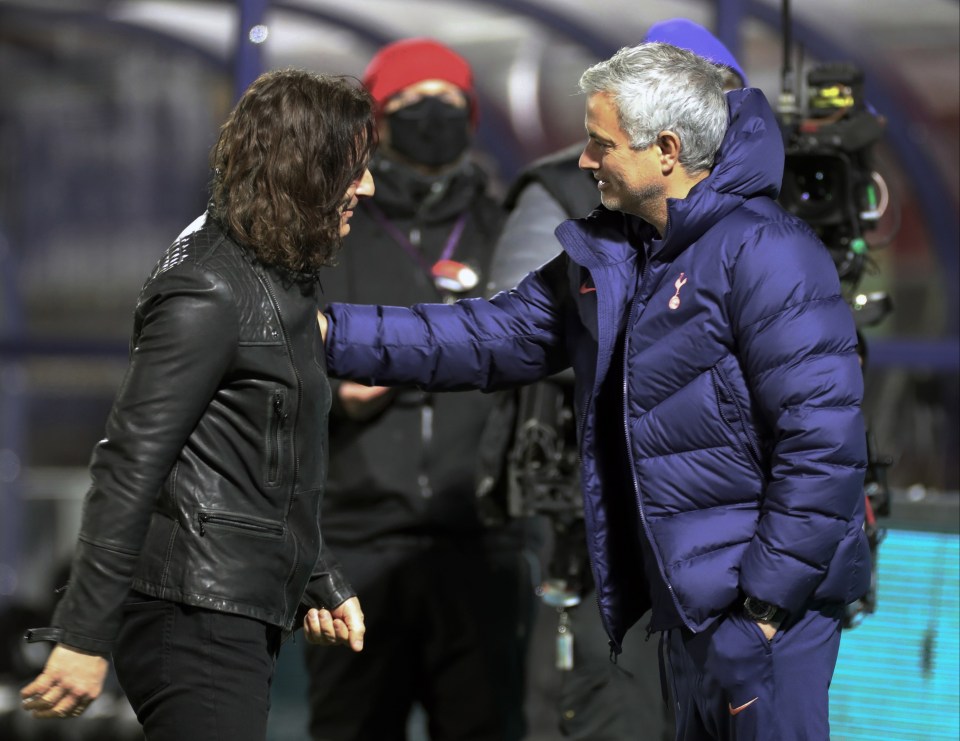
(828, 179)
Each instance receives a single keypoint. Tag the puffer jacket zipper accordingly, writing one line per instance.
(631, 463)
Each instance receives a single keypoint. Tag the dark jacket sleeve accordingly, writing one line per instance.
(184, 341)
(328, 586)
(798, 348)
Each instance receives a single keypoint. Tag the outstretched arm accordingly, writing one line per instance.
(514, 338)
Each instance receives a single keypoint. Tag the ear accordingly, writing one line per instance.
(669, 145)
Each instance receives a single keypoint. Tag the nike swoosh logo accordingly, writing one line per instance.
(587, 289)
(741, 708)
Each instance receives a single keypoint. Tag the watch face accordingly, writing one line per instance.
(758, 609)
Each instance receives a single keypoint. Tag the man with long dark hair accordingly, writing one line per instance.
(200, 543)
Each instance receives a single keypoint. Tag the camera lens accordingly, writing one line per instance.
(815, 188)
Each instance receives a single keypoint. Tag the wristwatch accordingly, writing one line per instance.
(760, 611)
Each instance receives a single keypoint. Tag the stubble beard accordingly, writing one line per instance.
(643, 202)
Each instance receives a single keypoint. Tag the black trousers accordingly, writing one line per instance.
(603, 701)
(193, 674)
(448, 623)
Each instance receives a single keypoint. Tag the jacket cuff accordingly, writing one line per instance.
(59, 635)
(35, 635)
(90, 611)
(328, 590)
(328, 587)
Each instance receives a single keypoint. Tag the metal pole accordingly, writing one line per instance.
(729, 20)
(12, 425)
(252, 33)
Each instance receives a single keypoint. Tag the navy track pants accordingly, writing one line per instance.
(732, 684)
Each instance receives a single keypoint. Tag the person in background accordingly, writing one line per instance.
(717, 387)
(448, 600)
(200, 543)
(597, 699)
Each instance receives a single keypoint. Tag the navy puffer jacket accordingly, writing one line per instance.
(740, 415)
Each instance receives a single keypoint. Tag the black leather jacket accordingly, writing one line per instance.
(207, 486)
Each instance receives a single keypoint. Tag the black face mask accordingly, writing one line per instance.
(430, 132)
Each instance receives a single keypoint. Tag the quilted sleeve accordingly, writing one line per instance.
(797, 344)
(513, 338)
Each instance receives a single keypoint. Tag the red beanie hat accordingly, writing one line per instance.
(403, 63)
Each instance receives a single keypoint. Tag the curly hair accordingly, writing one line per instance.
(283, 162)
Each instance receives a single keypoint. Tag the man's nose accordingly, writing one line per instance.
(366, 188)
(586, 162)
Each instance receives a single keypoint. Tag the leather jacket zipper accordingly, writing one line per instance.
(205, 519)
(275, 441)
(268, 285)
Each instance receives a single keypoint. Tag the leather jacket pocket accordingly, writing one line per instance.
(210, 521)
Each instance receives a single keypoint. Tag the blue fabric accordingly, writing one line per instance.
(732, 684)
(741, 413)
(689, 35)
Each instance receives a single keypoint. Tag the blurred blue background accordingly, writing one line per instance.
(109, 107)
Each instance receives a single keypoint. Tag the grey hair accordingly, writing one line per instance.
(659, 87)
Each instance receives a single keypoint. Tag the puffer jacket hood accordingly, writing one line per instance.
(686, 34)
(749, 164)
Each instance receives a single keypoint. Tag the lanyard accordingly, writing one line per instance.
(400, 238)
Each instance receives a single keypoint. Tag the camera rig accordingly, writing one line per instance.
(829, 180)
